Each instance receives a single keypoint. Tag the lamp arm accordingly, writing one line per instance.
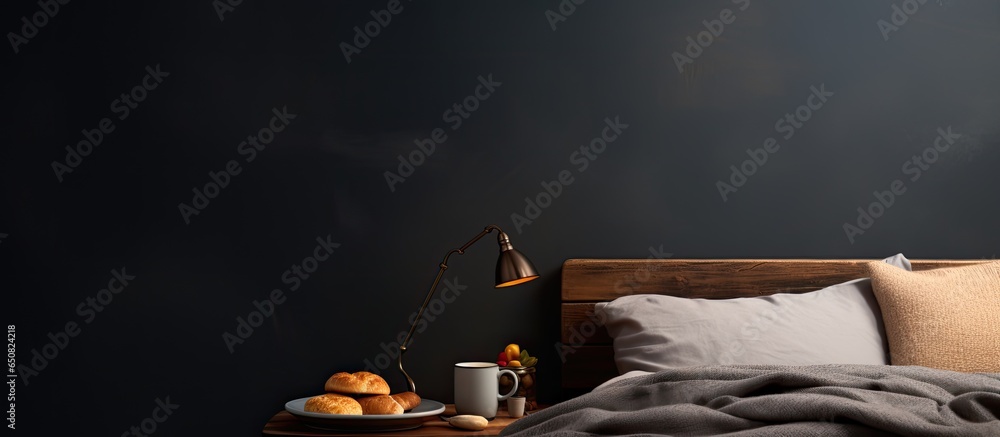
(427, 299)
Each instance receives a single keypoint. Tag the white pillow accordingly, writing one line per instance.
(840, 324)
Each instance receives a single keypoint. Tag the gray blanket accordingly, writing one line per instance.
(833, 400)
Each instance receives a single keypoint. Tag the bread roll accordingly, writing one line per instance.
(408, 400)
(381, 404)
(359, 383)
(332, 403)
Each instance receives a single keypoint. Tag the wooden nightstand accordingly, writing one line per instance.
(285, 424)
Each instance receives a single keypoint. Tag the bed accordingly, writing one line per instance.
(860, 396)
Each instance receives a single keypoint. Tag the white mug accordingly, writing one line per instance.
(476, 387)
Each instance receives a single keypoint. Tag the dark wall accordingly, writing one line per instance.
(658, 184)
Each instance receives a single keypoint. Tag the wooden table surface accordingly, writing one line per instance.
(285, 424)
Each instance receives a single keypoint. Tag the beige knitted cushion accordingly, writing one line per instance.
(945, 318)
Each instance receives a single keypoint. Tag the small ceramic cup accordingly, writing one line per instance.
(515, 406)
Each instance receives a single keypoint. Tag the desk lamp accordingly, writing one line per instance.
(512, 268)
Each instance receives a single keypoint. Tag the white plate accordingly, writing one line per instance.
(371, 422)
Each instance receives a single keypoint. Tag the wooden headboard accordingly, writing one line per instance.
(588, 358)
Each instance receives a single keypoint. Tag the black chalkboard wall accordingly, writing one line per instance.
(168, 165)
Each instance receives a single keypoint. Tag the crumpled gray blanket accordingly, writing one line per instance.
(767, 400)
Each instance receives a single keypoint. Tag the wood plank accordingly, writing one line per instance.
(605, 279)
(580, 325)
(586, 367)
(285, 424)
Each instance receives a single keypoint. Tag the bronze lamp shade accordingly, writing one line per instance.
(512, 268)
